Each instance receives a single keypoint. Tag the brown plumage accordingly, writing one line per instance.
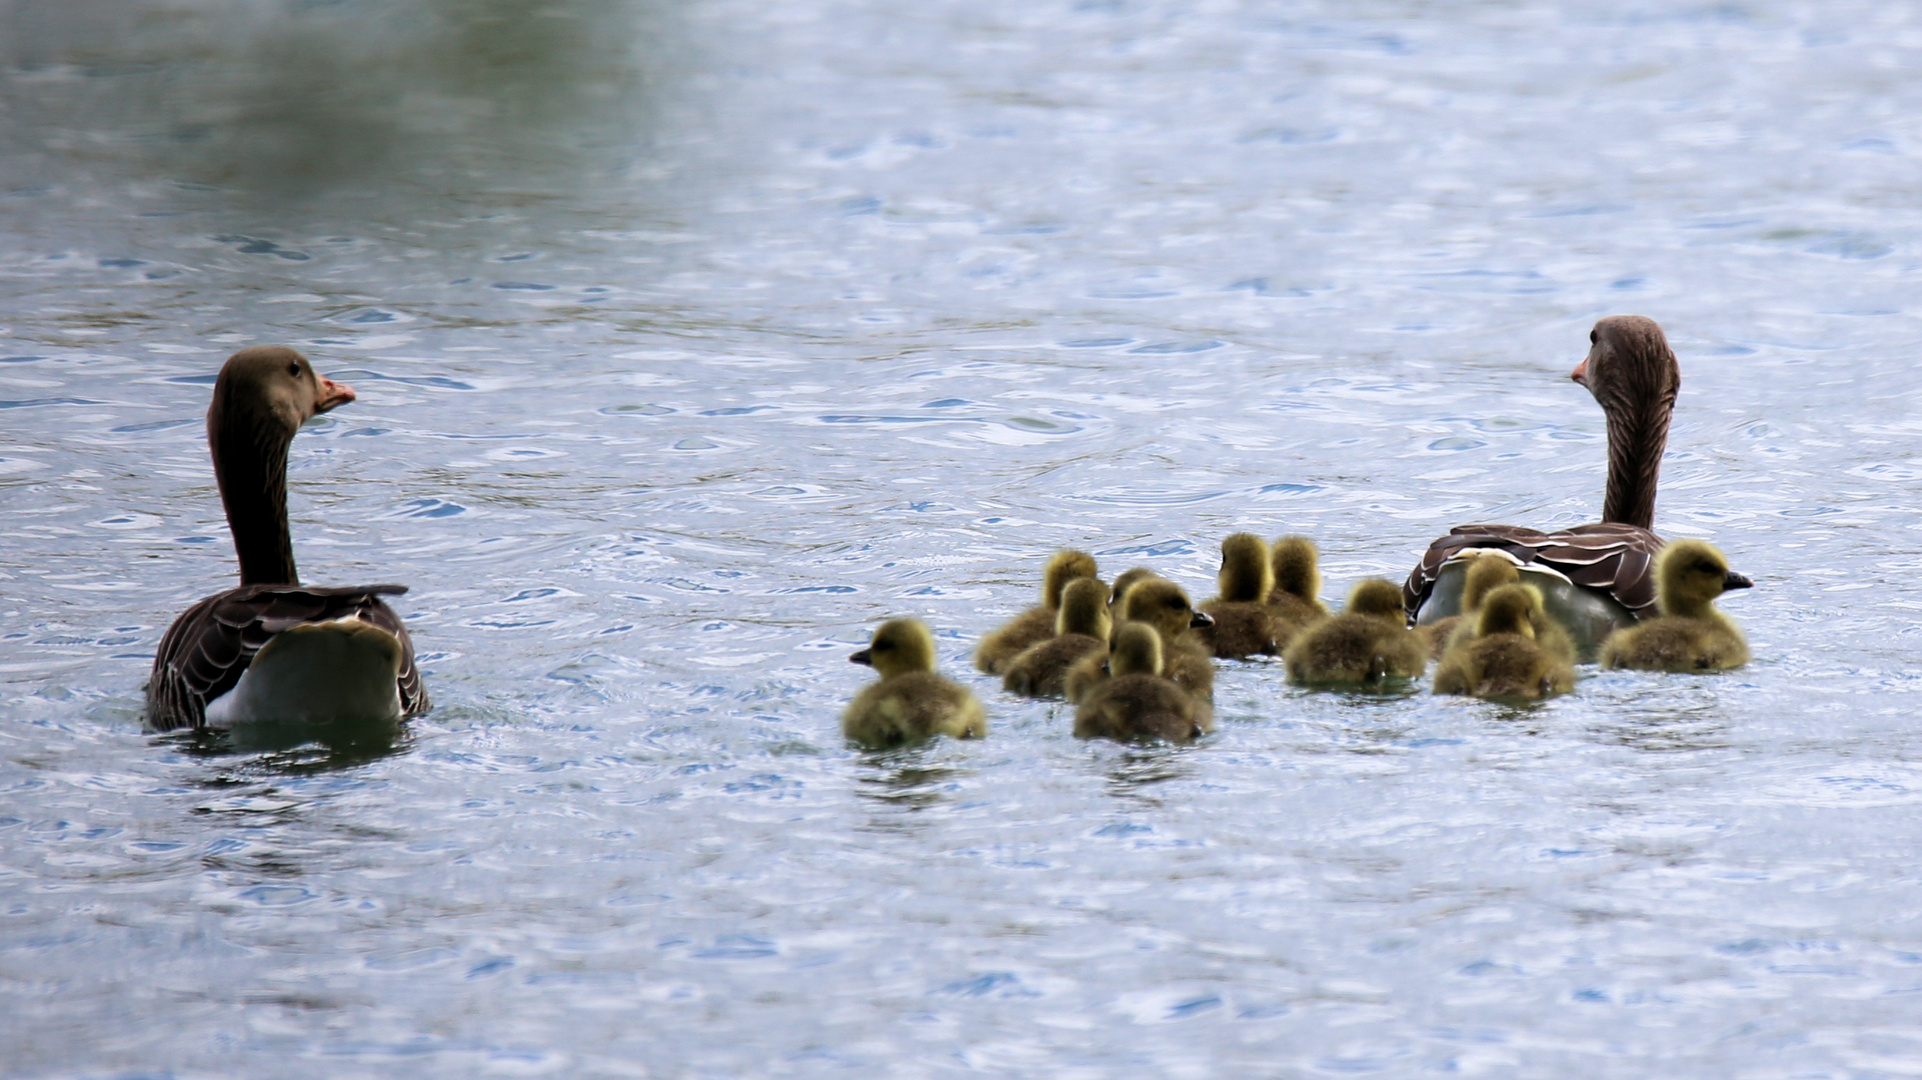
(1241, 618)
(1036, 623)
(909, 703)
(1365, 643)
(1163, 605)
(1633, 375)
(1081, 627)
(1295, 600)
(261, 397)
(1691, 634)
(1137, 702)
(1499, 657)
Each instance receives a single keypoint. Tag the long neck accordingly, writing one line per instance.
(250, 463)
(1636, 439)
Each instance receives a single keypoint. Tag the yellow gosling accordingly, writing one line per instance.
(1036, 623)
(1500, 657)
(1295, 600)
(1486, 573)
(1241, 626)
(1081, 627)
(1365, 643)
(910, 702)
(1691, 634)
(1138, 702)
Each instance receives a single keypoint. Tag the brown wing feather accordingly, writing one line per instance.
(208, 648)
(1610, 557)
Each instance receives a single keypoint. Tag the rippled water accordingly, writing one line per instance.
(693, 340)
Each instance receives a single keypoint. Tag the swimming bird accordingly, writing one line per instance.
(1368, 641)
(1594, 578)
(1127, 580)
(1081, 627)
(1165, 606)
(909, 703)
(1488, 569)
(1241, 618)
(1295, 600)
(272, 649)
(1499, 657)
(1036, 623)
(1137, 701)
(1692, 634)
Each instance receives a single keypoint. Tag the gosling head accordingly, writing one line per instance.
(1129, 579)
(1509, 609)
(1084, 609)
(1297, 567)
(1064, 567)
(1165, 606)
(1136, 650)
(899, 646)
(1245, 571)
(1690, 574)
(1486, 573)
(1376, 598)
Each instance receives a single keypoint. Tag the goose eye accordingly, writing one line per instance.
(1591, 337)
(294, 370)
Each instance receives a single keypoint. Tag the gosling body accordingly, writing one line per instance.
(1164, 606)
(1241, 627)
(1500, 657)
(1365, 643)
(910, 703)
(1294, 601)
(1137, 702)
(1081, 627)
(1691, 634)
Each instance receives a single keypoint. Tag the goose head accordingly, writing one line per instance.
(1245, 574)
(1163, 605)
(1690, 574)
(1136, 650)
(1509, 609)
(1377, 599)
(899, 646)
(1634, 377)
(1084, 609)
(261, 397)
(1064, 567)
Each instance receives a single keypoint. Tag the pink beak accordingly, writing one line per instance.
(1580, 374)
(332, 394)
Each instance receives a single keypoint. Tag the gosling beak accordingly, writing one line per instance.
(864, 657)
(1580, 374)
(331, 394)
(1737, 581)
(1201, 618)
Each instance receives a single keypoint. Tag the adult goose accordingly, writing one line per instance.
(273, 650)
(1594, 579)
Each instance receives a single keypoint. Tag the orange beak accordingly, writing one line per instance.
(1580, 374)
(331, 395)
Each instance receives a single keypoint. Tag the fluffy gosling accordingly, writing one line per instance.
(1691, 634)
(1241, 618)
(1365, 643)
(1501, 657)
(910, 702)
(1081, 627)
(1137, 702)
(1164, 606)
(1294, 603)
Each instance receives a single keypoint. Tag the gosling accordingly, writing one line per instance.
(1241, 619)
(1137, 702)
(1294, 603)
(1691, 634)
(1036, 623)
(910, 703)
(1081, 627)
(1500, 657)
(1165, 606)
(1486, 573)
(1364, 644)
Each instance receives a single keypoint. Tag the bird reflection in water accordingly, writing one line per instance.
(900, 783)
(300, 749)
(1135, 771)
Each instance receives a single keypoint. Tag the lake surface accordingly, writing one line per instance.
(694, 340)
